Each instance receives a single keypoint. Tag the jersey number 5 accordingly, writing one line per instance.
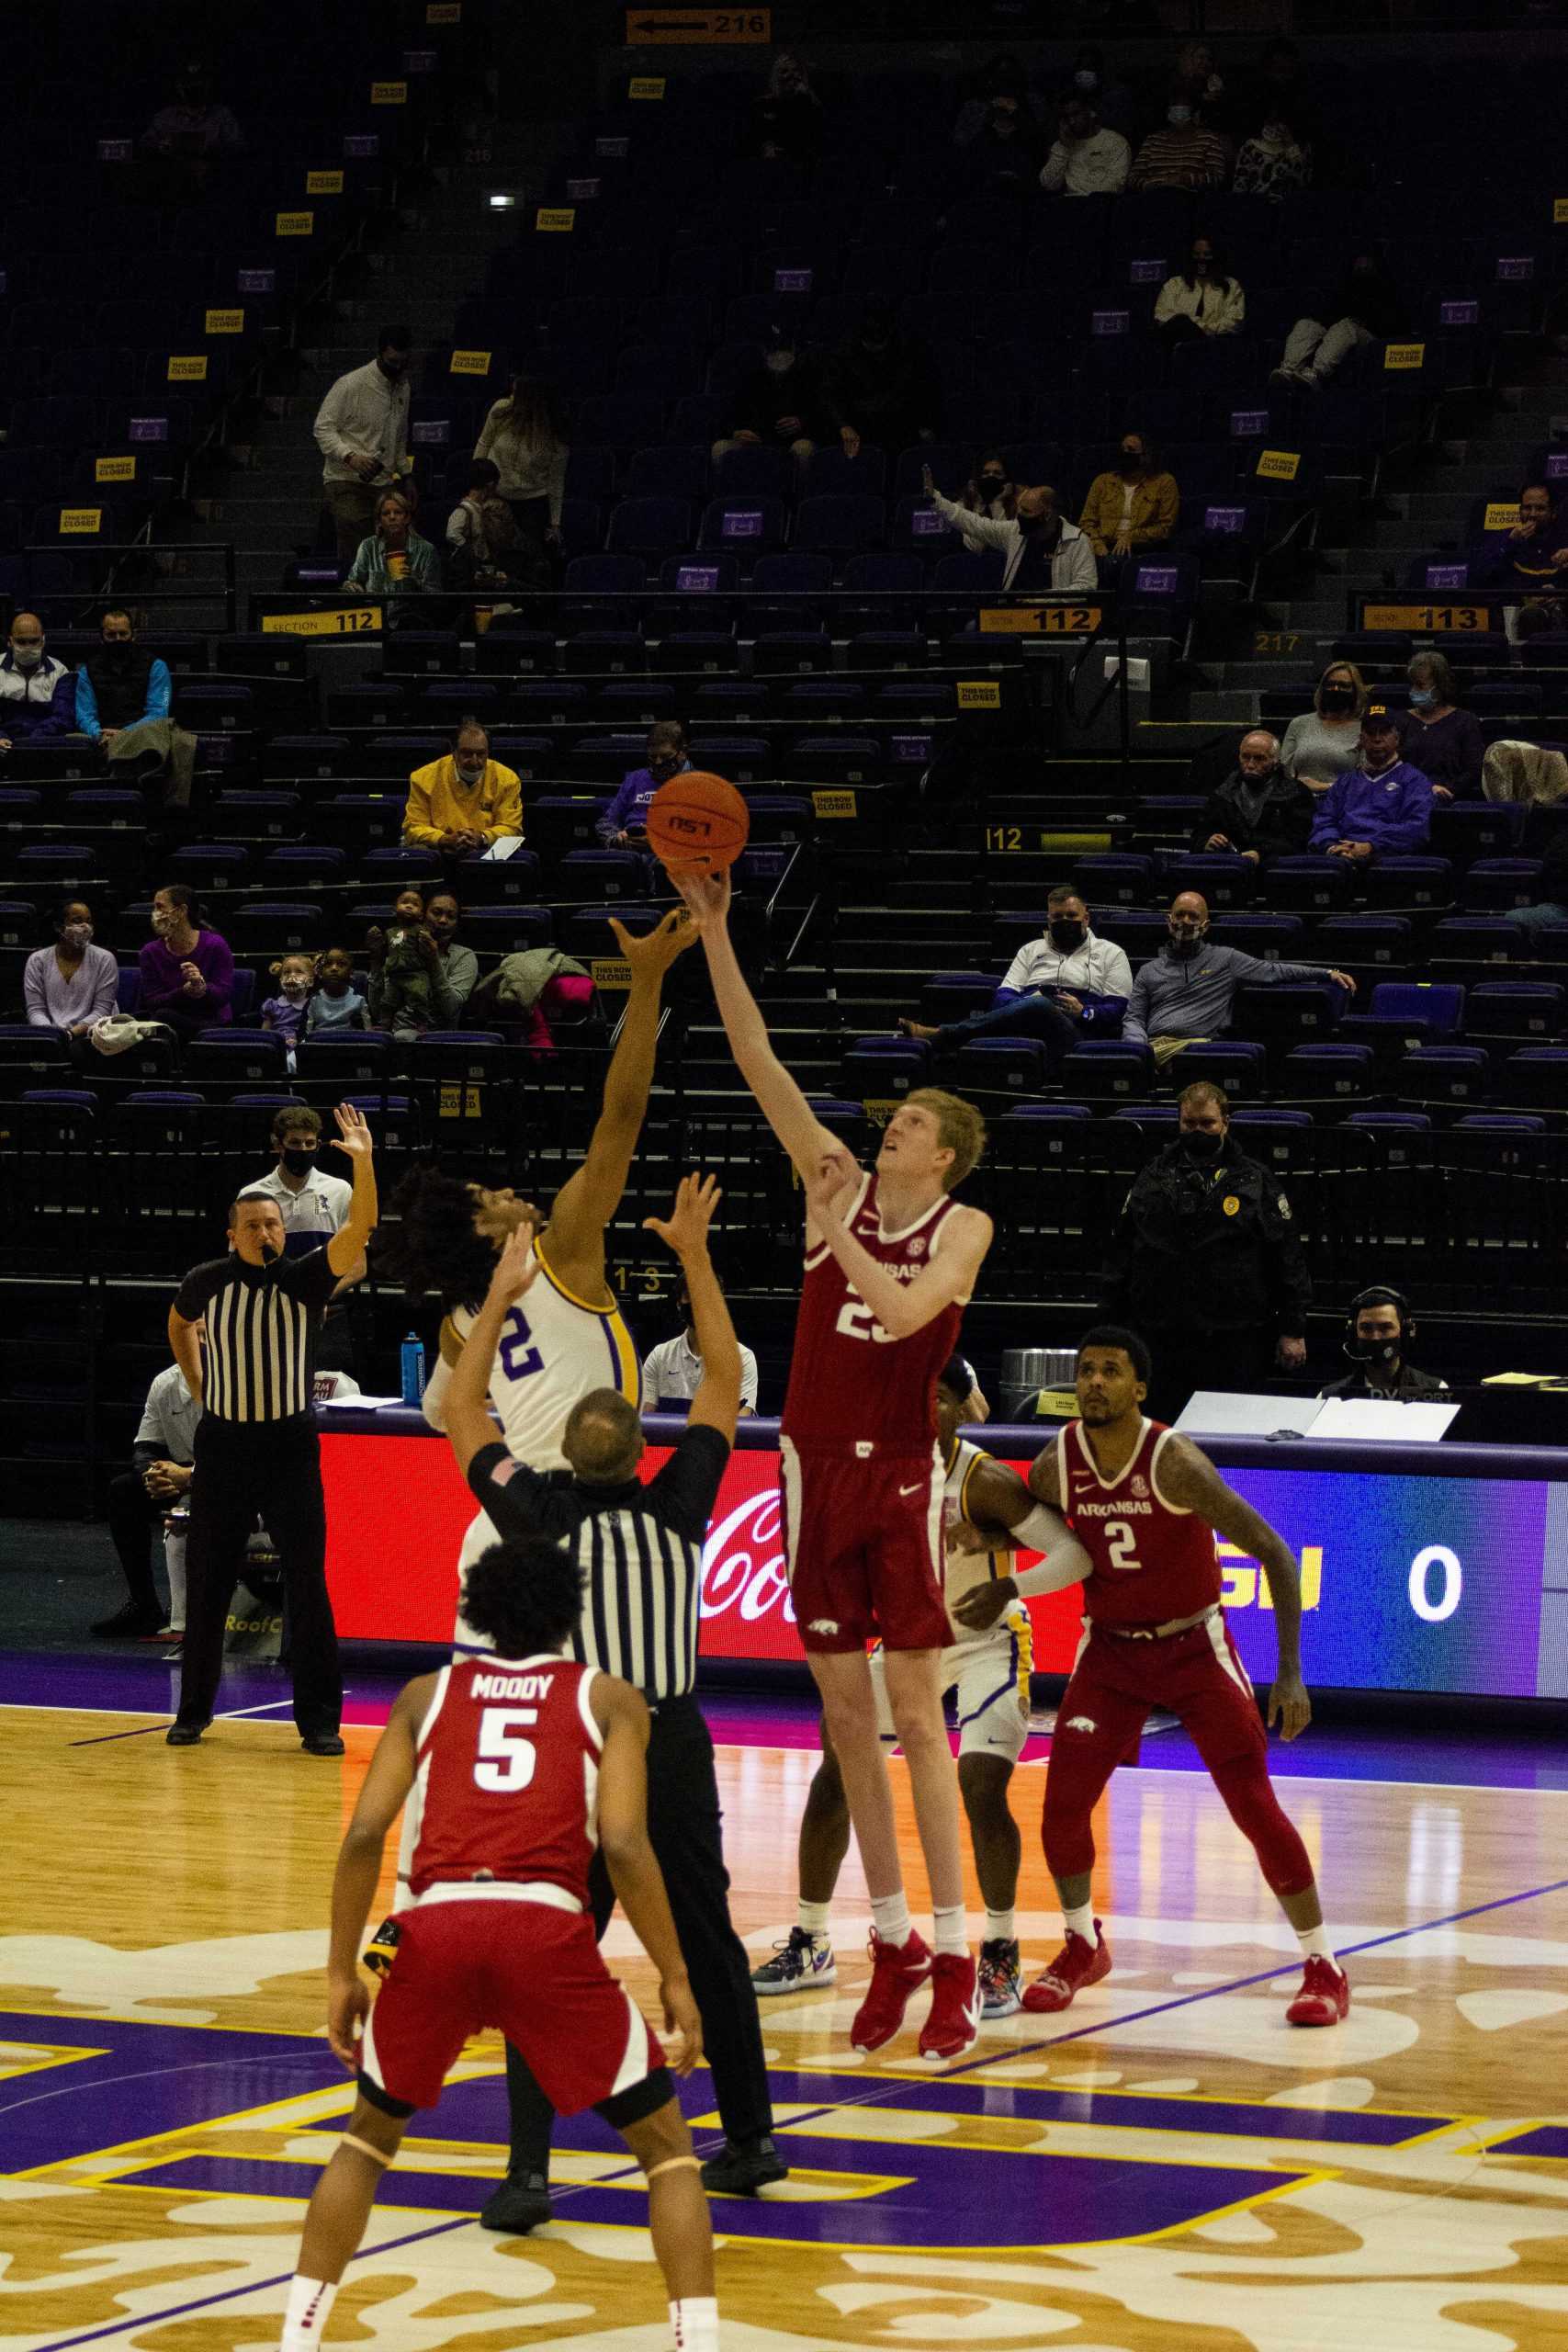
(506, 1759)
(1119, 1541)
(519, 1357)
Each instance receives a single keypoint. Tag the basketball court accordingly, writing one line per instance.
(1165, 2165)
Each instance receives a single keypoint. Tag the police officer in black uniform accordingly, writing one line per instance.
(1206, 1263)
(1378, 1328)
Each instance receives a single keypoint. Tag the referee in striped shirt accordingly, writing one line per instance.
(256, 1448)
(642, 1549)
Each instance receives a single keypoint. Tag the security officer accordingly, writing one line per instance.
(1378, 1329)
(1206, 1263)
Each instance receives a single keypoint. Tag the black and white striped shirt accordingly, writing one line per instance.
(261, 1332)
(641, 1546)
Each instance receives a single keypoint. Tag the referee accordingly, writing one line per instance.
(642, 1548)
(256, 1449)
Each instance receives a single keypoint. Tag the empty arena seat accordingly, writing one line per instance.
(1114, 878)
(1240, 1067)
(1531, 1009)
(1535, 1079)
(1001, 1065)
(1114, 1070)
(1315, 884)
(1396, 882)
(1443, 1074)
(1406, 1012)
(1329, 1073)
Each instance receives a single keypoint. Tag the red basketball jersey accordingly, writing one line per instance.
(507, 1778)
(1152, 1561)
(849, 1383)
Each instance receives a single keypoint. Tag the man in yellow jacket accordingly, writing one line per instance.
(1131, 506)
(464, 804)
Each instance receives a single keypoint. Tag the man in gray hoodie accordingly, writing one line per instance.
(1184, 994)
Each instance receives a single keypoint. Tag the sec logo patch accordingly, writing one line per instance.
(1230, 1204)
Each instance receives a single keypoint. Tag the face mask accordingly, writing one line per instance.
(1186, 942)
(295, 988)
(1198, 1144)
(1131, 460)
(780, 362)
(1339, 698)
(1067, 935)
(471, 771)
(76, 935)
(1422, 698)
(1179, 117)
(993, 483)
(27, 657)
(300, 1163)
(1381, 1353)
(1086, 79)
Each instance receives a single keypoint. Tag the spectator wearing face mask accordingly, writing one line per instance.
(1363, 308)
(362, 431)
(1132, 505)
(781, 404)
(466, 803)
(1206, 1263)
(284, 1014)
(1091, 77)
(1322, 743)
(881, 387)
(627, 812)
(1380, 1329)
(1006, 152)
(1202, 299)
(1259, 810)
(38, 698)
(312, 1202)
(123, 699)
(1381, 808)
(1184, 153)
(1444, 742)
(1088, 158)
(187, 973)
(75, 983)
(988, 492)
(1003, 76)
(1039, 548)
(1183, 996)
(1275, 158)
(1063, 986)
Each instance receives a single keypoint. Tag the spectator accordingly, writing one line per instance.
(627, 812)
(1380, 1327)
(789, 114)
(411, 989)
(123, 700)
(193, 127)
(1184, 153)
(1323, 742)
(1364, 307)
(1439, 739)
(160, 1475)
(1065, 985)
(1003, 76)
(337, 1003)
(1039, 548)
(1259, 810)
(1275, 158)
(284, 1014)
(465, 804)
(313, 1205)
(187, 973)
(72, 984)
(1091, 77)
(1531, 559)
(395, 564)
(673, 1372)
(1206, 1262)
(1381, 808)
(526, 436)
(1281, 88)
(459, 964)
(1183, 995)
(1196, 78)
(988, 492)
(481, 532)
(1006, 152)
(1088, 158)
(881, 387)
(362, 431)
(1551, 907)
(1129, 507)
(781, 404)
(37, 699)
(1523, 773)
(1202, 299)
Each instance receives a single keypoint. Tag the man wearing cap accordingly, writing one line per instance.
(1381, 808)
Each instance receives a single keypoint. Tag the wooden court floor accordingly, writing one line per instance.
(1166, 2167)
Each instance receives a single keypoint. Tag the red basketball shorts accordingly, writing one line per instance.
(1196, 1676)
(534, 1971)
(863, 1547)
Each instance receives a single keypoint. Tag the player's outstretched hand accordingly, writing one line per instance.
(348, 2005)
(682, 2016)
(1289, 1706)
(353, 1132)
(652, 955)
(516, 1269)
(828, 1192)
(707, 896)
(685, 1229)
(983, 1603)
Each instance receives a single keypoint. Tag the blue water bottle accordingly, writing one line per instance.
(414, 1369)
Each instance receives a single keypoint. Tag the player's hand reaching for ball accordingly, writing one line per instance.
(707, 898)
(348, 2005)
(516, 1269)
(651, 956)
(682, 2017)
(828, 1192)
(1288, 1705)
(685, 1229)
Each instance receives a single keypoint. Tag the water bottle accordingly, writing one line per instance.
(414, 1369)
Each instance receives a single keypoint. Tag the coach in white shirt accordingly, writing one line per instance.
(362, 431)
(674, 1371)
(1063, 986)
(313, 1205)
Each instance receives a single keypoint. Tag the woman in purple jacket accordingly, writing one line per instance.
(627, 813)
(188, 974)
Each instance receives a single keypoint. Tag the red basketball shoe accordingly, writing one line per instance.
(1079, 1962)
(955, 2019)
(897, 1972)
(1325, 1997)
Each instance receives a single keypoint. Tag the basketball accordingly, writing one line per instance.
(697, 823)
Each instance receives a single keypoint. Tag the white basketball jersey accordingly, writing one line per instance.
(965, 1569)
(554, 1348)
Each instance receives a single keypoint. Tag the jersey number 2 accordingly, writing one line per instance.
(519, 1357)
(506, 1759)
(1119, 1541)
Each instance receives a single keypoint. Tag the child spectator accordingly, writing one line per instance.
(337, 1003)
(285, 1013)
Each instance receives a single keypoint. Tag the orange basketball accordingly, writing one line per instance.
(697, 823)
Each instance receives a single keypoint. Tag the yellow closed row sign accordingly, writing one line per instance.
(225, 322)
(833, 804)
(611, 972)
(1500, 515)
(1278, 465)
(1397, 355)
(1559, 209)
(81, 522)
(470, 363)
(559, 217)
(114, 469)
(295, 224)
(979, 693)
(646, 86)
(443, 12)
(191, 370)
(346, 620)
(389, 94)
(323, 182)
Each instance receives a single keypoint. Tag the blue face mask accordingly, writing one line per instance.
(1422, 698)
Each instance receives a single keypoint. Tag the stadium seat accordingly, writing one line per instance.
(1113, 1071)
(875, 1069)
(1336, 1073)
(1007, 1065)
(1442, 1075)
(1240, 1067)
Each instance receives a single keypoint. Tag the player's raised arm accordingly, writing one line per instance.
(1000, 1512)
(901, 1309)
(591, 1195)
(1190, 1480)
(622, 1715)
(782, 1104)
(465, 1403)
(717, 1403)
(386, 1783)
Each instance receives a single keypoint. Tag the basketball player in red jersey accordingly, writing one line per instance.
(890, 1262)
(517, 1764)
(1146, 1504)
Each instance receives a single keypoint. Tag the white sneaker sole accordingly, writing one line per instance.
(803, 1983)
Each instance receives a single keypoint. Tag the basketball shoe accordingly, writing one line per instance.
(1324, 1996)
(1079, 1962)
(897, 1972)
(799, 1965)
(1001, 1978)
(954, 2020)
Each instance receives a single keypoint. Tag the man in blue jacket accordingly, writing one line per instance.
(37, 697)
(627, 812)
(1384, 808)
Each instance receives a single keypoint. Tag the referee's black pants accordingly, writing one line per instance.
(273, 1468)
(684, 1830)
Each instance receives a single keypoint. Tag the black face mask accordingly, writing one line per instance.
(1068, 935)
(300, 1163)
(1198, 1144)
(1338, 699)
(1185, 943)
(993, 485)
(1378, 1352)
(1131, 459)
